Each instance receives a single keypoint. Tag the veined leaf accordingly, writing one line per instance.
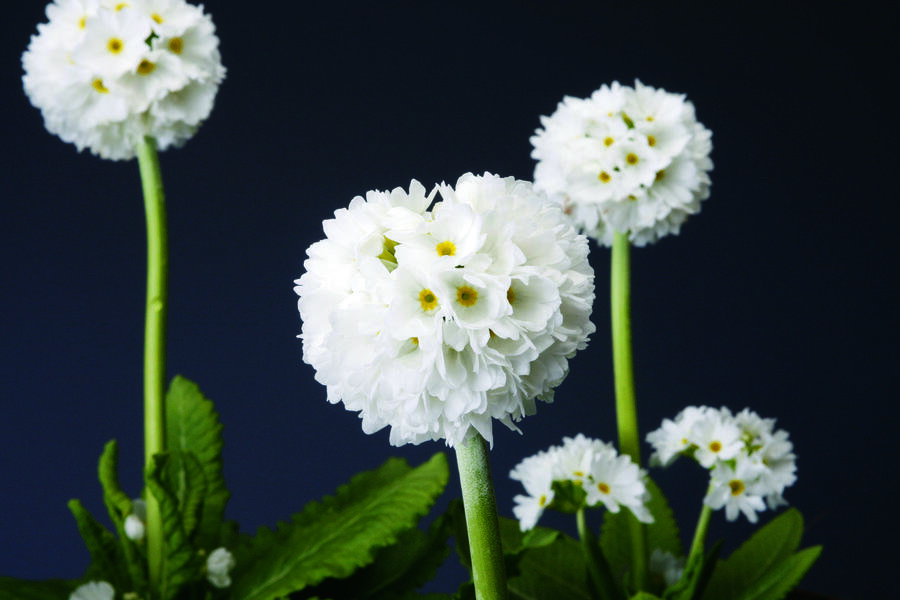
(551, 572)
(782, 578)
(662, 534)
(339, 535)
(107, 561)
(192, 425)
(119, 506)
(185, 478)
(180, 563)
(765, 550)
(19, 589)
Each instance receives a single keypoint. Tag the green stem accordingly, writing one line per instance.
(626, 406)
(488, 569)
(154, 340)
(700, 534)
(597, 565)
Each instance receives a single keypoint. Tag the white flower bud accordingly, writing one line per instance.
(218, 565)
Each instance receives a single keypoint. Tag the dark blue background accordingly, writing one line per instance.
(775, 297)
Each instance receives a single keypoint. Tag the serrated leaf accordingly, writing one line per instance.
(107, 561)
(185, 478)
(766, 548)
(615, 534)
(551, 572)
(119, 506)
(192, 425)
(180, 564)
(341, 534)
(781, 579)
(19, 589)
(398, 570)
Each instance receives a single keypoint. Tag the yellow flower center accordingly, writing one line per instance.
(651, 140)
(578, 473)
(157, 18)
(121, 5)
(446, 248)
(715, 446)
(98, 85)
(466, 295)
(82, 21)
(660, 174)
(650, 119)
(428, 300)
(542, 500)
(146, 67)
(608, 141)
(604, 177)
(414, 340)
(176, 45)
(510, 295)
(737, 487)
(115, 45)
(604, 488)
(631, 158)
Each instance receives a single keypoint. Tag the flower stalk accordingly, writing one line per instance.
(482, 523)
(154, 338)
(626, 406)
(700, 534)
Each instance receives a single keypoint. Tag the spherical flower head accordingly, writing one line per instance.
(219, 564)
(107, 74)
(436, 320)
(630, 160)
(93, 590)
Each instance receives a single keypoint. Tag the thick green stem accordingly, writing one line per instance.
(154, 339)
(700, 534)
(488, 569)
(626, 406)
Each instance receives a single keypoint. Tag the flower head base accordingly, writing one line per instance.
(434, 322)
(749, 461)
(632, 160)
(606, 479)
(106, 74)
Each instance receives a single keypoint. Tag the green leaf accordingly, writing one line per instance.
(341, 534)
(19, 589)
(185, 478)
(615, 535)
(398, 569)
(180, 564)
(781, 579)
(192, 425)
(765, 550)
(107, 560)
(119, 506)
(696, 576)
(551, 572)
(644, 596)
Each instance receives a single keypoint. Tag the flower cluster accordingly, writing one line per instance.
(434, 322)
(632, 160)
(106, 73)
(607, 479)
(749, 460)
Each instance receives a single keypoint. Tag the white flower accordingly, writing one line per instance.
(136, 522)
(737, 488)
(749, 460)
(436, 322)
(608, 479)
(93, 590)
(633, 160)
(218, 566)
(107, 74)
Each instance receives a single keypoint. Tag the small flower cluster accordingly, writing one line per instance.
(106, 73)
(749, 460)
(632, 160)
(434, 322)
(607, 479)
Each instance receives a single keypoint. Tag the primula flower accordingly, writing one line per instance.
(435, 320)
(632, 160)
(93, 590)
(748, 459)
(105, 74)
(607, 479)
